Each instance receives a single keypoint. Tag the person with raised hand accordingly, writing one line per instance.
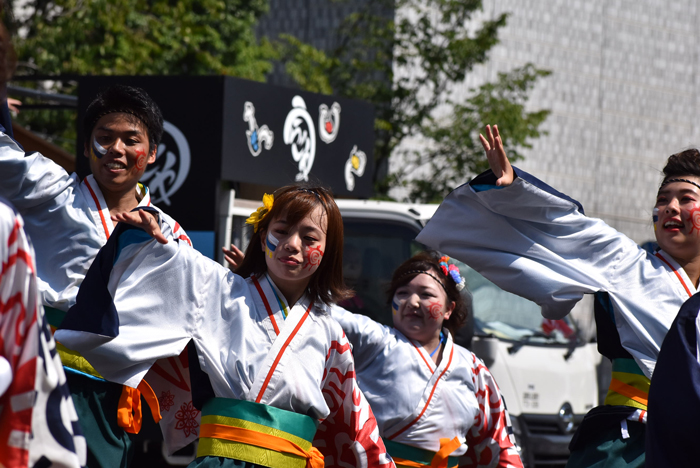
(278, 385)
(536, 242)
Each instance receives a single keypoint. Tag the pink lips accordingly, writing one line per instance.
(289, 261)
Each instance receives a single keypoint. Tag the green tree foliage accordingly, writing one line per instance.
(407, 64)
(135, 37)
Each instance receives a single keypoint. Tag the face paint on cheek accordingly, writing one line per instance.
(435, 310)
(141, 159)
(694, 217)
(271, 243)
(394, 306)
(97, 150)
(655, 217)
(312, 257)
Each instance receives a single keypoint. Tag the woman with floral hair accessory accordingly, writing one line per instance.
(508, 225)
(434, 400)
(280, 369)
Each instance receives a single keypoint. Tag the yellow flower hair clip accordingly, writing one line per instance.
(261, 212)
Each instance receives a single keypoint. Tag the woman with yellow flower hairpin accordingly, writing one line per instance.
(280, 369)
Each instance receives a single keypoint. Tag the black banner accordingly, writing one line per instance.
(276, 136)
(221, 128)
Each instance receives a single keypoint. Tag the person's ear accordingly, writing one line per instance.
(263, 238)
(450, 309)
(86, 150)
(152, 156)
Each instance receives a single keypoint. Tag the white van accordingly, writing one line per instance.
(546, 372)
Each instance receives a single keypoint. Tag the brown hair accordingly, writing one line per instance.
(682, 164)
(295, 202)
(430, 261)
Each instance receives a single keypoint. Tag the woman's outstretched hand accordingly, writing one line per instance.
(233, 256)
(498, 161)
(144, 220)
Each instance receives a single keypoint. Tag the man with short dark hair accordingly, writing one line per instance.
(69, 221)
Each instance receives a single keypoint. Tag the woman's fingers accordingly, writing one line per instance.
(496, 155)
(484, 143)
(234, 256)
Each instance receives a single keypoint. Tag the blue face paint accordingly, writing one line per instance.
(270, 244)
(394, 306)
(655, 217)
(97, 150)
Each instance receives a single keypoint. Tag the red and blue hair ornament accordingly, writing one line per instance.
(451, 270)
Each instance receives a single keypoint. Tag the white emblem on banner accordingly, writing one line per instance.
(257, 136)
(328, 122)
(167, 177)
(299, 132)
(355, 164)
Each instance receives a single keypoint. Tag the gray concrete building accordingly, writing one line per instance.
(623, 96)
(623, 90)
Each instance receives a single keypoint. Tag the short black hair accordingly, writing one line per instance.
(684, 163)
(130, 100)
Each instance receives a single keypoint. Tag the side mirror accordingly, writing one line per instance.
(485, 348)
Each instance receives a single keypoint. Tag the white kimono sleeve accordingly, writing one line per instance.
(141, 301)
(533, 241)
(368, 338)
(29, 180)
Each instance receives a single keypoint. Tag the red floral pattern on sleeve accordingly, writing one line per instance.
(490, 439)
(187, 421)
(166, 400)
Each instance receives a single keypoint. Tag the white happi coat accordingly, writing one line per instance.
(167, 295)
(38, 422)
(417, 403)
(535, 242)
(68, 222)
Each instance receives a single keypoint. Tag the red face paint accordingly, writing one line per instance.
(141, 159)
(312, 257)
(694, 216)
(435, 310)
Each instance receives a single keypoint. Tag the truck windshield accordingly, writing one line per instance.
(373, 250)
(506, 316)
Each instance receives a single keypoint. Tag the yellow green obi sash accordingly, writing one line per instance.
(629, 385)
(414, 457)
(257, 433)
